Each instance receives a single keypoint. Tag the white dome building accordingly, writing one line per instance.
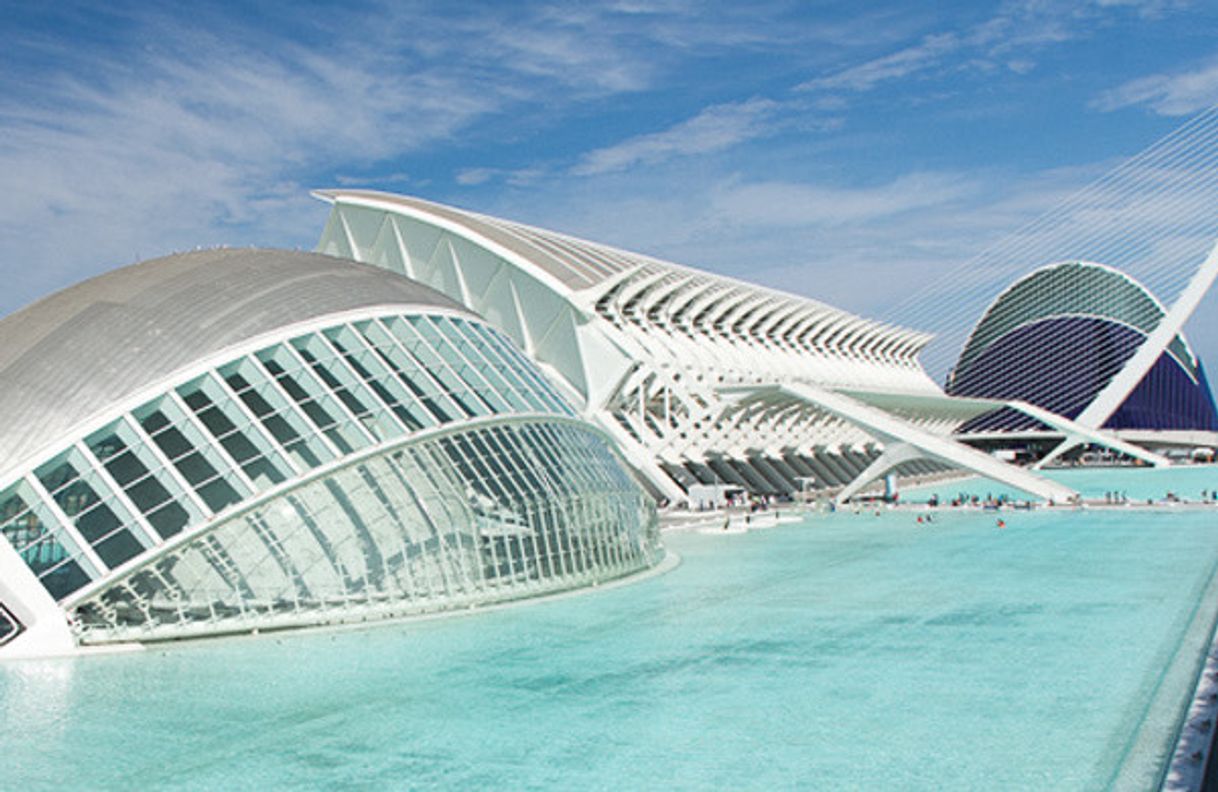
(239, 440)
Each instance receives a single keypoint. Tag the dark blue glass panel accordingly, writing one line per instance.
(1062, 363)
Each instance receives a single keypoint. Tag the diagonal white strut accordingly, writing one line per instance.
(892, 429)
(1119, 387)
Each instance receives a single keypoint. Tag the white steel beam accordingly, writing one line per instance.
(895, 430)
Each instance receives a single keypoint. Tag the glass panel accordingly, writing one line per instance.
(338, 377)
(409, 372)
(228, 424)
(207, 472)
(313, 398)
(434, 525)
(410, 339)
(457, 352)
(377, 376)
(495, 369)
(18, 521)
(526, 370)
(33, 531)
(98, 516)
(277, 416)
(137, 470)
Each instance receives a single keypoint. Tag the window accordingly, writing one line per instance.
(10, 627)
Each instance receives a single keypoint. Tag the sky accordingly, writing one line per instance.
(846, 151)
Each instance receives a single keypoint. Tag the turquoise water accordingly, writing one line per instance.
(1138, 484)
(848, 652)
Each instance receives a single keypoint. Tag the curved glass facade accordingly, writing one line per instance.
(392, 463)
(1059, 336)
(480, 515)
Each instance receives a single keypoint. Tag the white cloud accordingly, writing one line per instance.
(472, 177)
(771, 204)
(186, 134)
(899, 64)
(1175, 94)
(346, 180)
(1146, 8)
(714, 129)
(1012, 37)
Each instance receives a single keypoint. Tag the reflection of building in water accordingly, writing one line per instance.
(235, 440)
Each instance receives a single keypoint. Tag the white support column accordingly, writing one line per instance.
(46, 628)
(894, 454)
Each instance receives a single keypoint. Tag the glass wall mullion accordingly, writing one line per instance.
(592, 528)
(504, 369)
(517, 566)
(290, 403)
(526, 473)
(356, 384)
(276, 413)
(376, 373)
(439, 391)
(147, 535)
(425, 469)
(255, 424)
(169, 425)
(441, 370)
(438, 453)
(441, 327)
(589, 487)
(170, 469)
(528, 371)
(217, 447)
(67, 526)
(307, 368)
(476, 355)
(229, 427)
(486, 473)
(498, 460)
(507, 495)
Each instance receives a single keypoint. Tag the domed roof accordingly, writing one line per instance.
(1058, 336)
(73, 354)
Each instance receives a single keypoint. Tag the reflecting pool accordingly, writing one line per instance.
(844, 652)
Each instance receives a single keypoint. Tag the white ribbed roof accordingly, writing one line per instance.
(576, 263)
(71, 355)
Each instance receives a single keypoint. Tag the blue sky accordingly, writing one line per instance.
(847, 151)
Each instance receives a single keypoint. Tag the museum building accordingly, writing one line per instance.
(241, 440)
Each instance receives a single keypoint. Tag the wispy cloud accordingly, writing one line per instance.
(381, 179)
(804, 205)
(172, 134)
(469, 177)
(899, 64)
(1010, 39)
(1175, 94)
(203, 147)
(714, 129)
